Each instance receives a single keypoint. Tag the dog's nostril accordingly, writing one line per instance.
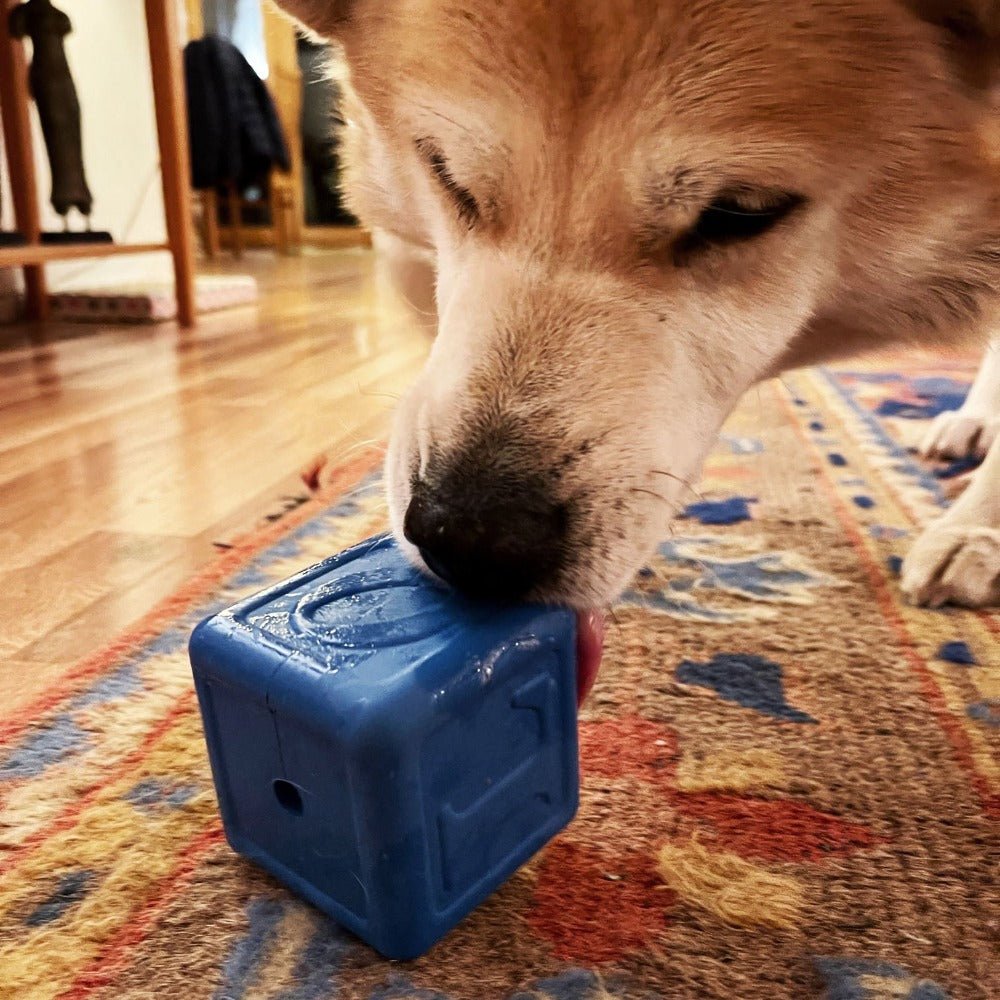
(437, 566)
(425, 520)
(425, 525)
(500, 542)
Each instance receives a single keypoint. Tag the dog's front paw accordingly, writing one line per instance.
(955, 434)
(954, 563)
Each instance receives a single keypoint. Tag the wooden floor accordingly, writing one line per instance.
(127, 451)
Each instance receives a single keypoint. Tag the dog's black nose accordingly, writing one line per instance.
(497, 542)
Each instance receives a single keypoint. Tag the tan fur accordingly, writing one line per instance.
(591, 135)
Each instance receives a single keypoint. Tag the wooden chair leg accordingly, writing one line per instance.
(175, 164)
(284, 244)
(276, 207)
(210, 222)
(235, 220)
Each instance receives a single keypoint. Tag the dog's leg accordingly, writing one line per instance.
(408, 271)
(975, 425)
(957, 558)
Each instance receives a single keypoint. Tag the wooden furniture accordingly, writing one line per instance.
(285, 198)
(285, 83)
(282, 234)
(284, 193)
(171, 128)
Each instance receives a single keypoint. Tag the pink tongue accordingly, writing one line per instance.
(589, 646)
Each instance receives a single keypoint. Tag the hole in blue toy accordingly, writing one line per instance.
(288, 796)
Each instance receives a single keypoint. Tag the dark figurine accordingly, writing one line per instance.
(58, 106)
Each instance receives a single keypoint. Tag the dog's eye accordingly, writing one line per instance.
(733, 218)
(465, 203)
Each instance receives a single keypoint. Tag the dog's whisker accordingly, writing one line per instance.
(438, 114)
(667, 581)
(680, 479)
(614, 617)
(376, 444)
(362, 392)
(362, 444)
(356, 492)
(674, 509)
(651, 493)
(785, 385)
(416, 309)
(376, 392)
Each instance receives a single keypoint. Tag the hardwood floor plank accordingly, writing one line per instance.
(125, 451)
(54, 590)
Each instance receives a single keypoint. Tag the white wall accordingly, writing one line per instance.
(109, 57)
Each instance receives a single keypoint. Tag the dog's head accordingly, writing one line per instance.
(638, 209)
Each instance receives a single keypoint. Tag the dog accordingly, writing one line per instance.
(624, 213)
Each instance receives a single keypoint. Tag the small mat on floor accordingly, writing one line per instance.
(150, 302)
(790, 776)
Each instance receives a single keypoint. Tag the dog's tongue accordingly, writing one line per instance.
(589, 646)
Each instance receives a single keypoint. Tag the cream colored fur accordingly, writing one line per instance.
(591, 135)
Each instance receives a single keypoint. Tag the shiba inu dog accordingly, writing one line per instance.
(633, 210)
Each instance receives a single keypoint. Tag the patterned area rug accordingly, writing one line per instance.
(790, 780)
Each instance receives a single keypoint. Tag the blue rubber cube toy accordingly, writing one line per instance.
(387, 749)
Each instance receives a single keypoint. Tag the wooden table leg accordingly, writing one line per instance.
(175, 164)
(14, 100)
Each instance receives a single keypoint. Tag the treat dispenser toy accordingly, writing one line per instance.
(389, 750)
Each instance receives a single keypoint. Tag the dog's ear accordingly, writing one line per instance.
(325, 18)
(970, 30)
